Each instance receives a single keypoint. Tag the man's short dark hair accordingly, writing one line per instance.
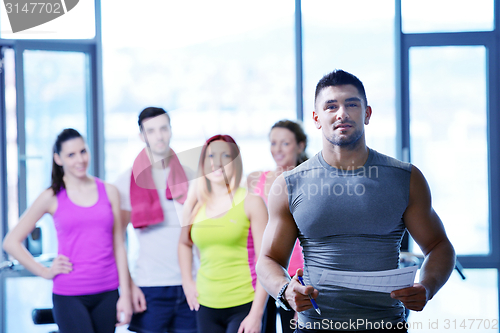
(339, 78)
(151, 112)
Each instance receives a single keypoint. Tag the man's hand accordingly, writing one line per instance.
(138, 299)
(297, 295)
(414, 298)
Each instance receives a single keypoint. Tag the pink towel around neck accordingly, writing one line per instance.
(144, 199)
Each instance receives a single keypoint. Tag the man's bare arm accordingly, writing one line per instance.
(277, 245)
(426, 228)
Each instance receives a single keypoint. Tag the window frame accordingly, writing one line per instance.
(490, 40)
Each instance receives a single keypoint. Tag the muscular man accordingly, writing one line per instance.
(152, 195)
(349, 206)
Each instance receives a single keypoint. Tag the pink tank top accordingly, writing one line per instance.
(297, 258)
(85, 236)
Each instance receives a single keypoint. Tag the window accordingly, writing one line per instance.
(215, 71)
(447, 15)
(478, 310)
(449, 125)
(448, 131)
(358, 37)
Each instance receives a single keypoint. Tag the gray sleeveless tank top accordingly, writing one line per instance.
(349, 220)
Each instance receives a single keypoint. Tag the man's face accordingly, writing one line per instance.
(341, 113)
(156, 133)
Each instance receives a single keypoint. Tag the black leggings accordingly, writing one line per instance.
(226, 320)
(269, 318)
(94, 313)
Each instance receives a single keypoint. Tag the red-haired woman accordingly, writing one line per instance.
(226, 224)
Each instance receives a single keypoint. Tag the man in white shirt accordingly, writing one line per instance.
(152, 198)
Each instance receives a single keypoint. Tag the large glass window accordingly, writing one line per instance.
(448, 131)
(447, 15)
(217, 67)
(56, 97)
(478, 310)
(358, 37)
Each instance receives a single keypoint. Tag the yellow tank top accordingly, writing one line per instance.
(226, 277)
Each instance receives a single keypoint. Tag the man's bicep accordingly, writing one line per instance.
(281, 230)
(422, 222)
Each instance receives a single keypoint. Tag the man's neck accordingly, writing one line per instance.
(160, 161)
(345, 158)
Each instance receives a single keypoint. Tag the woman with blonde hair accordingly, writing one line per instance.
(226, 225)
